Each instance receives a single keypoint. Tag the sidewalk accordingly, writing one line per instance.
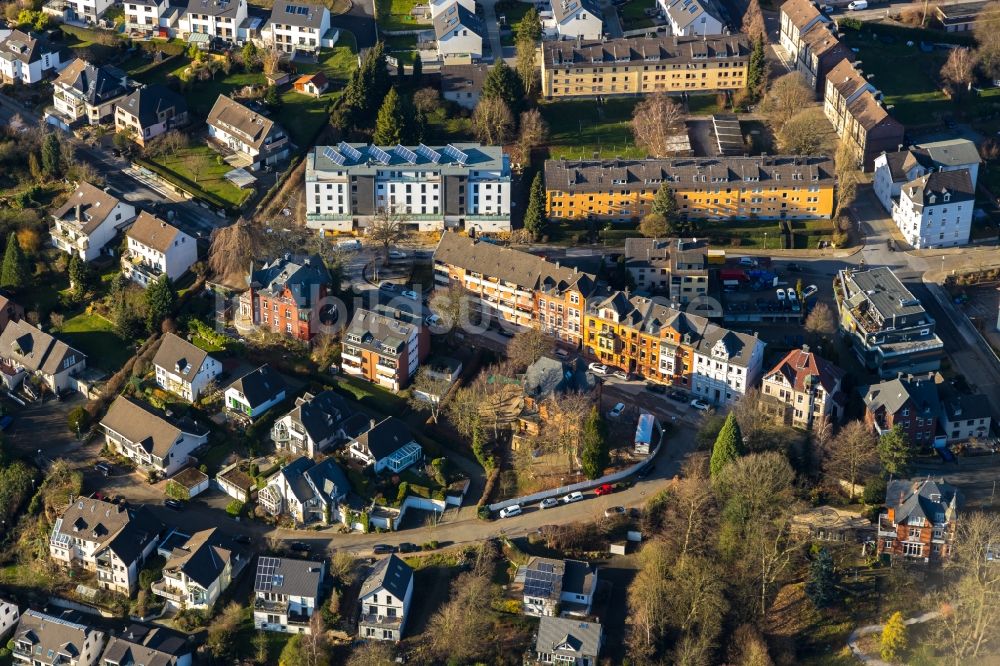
(852, 640)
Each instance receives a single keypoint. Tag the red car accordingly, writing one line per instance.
(605, 489)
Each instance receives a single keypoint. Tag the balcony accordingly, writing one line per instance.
(68, 242)
(135, 264)
(387, 370)
(269, 606)
(350, 358)
(163, 588)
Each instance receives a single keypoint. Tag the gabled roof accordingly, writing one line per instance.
(126, 531)
(177, 355)
(931, 189)
(241, 122)
(548, 376)
(862, 103)
(214, 7)
(259, 385)
(26, 47)
(390, 574)
(141, 529)
(965, 407)
(803, 369)
(328, 479)
(96, 84)
(379, 332)
(893, 394)
(48, 633)
(320, 415)
(36, 350)
(147, 646)
(318, 79)
(203, 557)
(567, 9)
(300, 274)
(155, 233)
(685, 12)
(386, 437)
(463, 78)
(569, 637)
(299, 14)
(148, 102)
(455, 17)
(86, 208)
(921, 498)
(803, 13)
(147, 427)
(294, 578)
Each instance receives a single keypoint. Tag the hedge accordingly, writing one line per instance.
(904, 33)
(187, 185)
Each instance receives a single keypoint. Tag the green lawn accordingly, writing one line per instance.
(395, 15)
(581, 128)
(704, 105)
(444, 129)
(95, 336)
(633, 14)
(199, 164)
(513, 11)
(402, 48)
(721, 233)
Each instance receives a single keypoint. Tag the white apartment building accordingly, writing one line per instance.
(253, 139)
(9, 617)
(936, 210)
(297, 26)
(26, 350)
(85, 92)
(148, 16)
(183, 368)
(221, 19)
(153, 442)
(156, 248)
(385, 600)
(726, 365)
(88, 221)
(693, 17)
(895, 169)
(197, 572)
(462, 185)
(27, 58)
(46, 640)
(286, 594)
(88, 10)
(438, 6)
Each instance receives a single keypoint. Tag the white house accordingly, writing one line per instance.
(183, 368)
(459, 33)
(27, 351)
(106, 538)
(88, 221)
(148, 17)
(306, 491)
(28, 58)
(255, 392)
(149, 112)
(216, 18)
(46, 640)
(253, 139)
(568, 641)
(84, 92)
(387, 445)
(463, 84)
(9, 616)
(936, 210)
(726, 365)
(148, 646)
(197, 572)
(548, 586)
(298, 26)
(895, 169)
(153, 442)
(155, 248)
(578, 19)
(384, 600)
(693, 17)
(88, 10)
(438, 6)
(286, 594)
(316, 423)
(965, 417)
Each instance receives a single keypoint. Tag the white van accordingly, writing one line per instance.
(510, 511)
(856, 5)
(349, 245)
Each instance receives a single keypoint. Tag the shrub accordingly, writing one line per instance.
(430, 545)
(874, 492)
(176, 491)
(78, 420)
(404, 490)
(234, 508)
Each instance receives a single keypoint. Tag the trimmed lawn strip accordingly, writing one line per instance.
(581, 128)
(95, 336)
(806, 234)
(513, 11)
(704, 105)
(395, 15)
(199, 165)
(633, 14)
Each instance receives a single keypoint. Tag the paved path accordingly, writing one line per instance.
(852, 640)
(492, 28)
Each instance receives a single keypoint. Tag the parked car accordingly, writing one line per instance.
(700, 405)
(387, 286)
(397, 254)
(383, 549)
(509, 511)
(407, 547)
(827, 9)
(809, 291)
(575, 496)
(748, 262)
(548, 503)
(176, 505)
(598, 368)
(624, 376)
(604, 489)
(300, 547)
(614, 511)
(792, 296)
(653, 387)
(793, 267)
(780, 293)
(678, 396)
(103, 468)
(857, 5)
(412, 295)
(616, 411)
(432, 320)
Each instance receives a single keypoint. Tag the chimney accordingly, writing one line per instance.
(805, 349)
(79, 213)
(371, 424)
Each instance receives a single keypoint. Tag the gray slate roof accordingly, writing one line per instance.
(36, 350)
(892, 394)
(931, 189)
(259, 385)
(149, 647)
(300, 274)
(294, 578)
(925, 498)
(26, 47)
(548, 376)
(320, 415)
(567, 9)
(97, 84)
(456, 17)
(177, 355)
(86, 208)
(299, 14)
(204, 556)
(569, 637)
(965, 407)
(386, 437)
(147, 427)
(391, 574)
(148, 102)
(48, 633)
(214, 7)
(153, 232)
(242, 122)
(377, 332)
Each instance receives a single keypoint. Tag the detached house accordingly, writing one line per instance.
(255, 392)
(693, 17)
(578, 19)
(965, 417)
(298, 26)
(246, 138)
(316, 423)
(935, 210)
(306, 491)
(111, 540)
(89, 220)
(218, 19)
(199, 571)
(140, 645)
(556, 587)
(313, 85)
(286, 594)
(88, 11)
(47, 640)
(28, 58)
(153, 441)
(26, 351)
(283, 296)
(149, 112)
(156, 248)
(86, 93)
(460, 33)
(384, 600)
(183, 368)
(908, 401)
(387, 445)
(802, 388)
(919, 520)
(9, 311)
(564, 641)
(439, 6)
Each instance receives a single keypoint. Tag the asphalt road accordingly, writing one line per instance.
(360, 20)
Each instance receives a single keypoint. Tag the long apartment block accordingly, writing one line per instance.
(854, 107)
(458, 186)
(643, 65)
(768, 187)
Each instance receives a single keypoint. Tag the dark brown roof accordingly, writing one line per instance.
(801, 366)
(237, 120)
(639, 50)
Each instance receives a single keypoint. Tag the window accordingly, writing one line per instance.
(913, 549)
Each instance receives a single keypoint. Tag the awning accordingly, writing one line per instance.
(240, 178)
(199, 38)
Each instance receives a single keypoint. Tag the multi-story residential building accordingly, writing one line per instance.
(298, 26)
(577, 19)
(693, 18)
(515, 287)
(28, 58)
(768, 187)
(642, 65)
(200, 570)
(384, 600)
(183, 368)
(455, 186)
(803, 388)
(155, 442)
(307, 492)
(26, 351)
(439, 6)
(676, 267)
(88, 11)
(462, 84)
(568, 641)
(459, 33)
(248, 139)
(888, 327)
(150, 17)
(47, 640)
(286, 594)
(140, 645)
(220, 19)
(726, 365)
(935, 210)
(384, 349)
(317, 423)
(286, 296)
(808, 35)
(10, 615)
(88, 221)
(254, 393)
(908, 401)
(853, 105)
(155, 248)
(387, 445)
(895, 169)
(149, 112)
(919, 520)
(965, 417)
(556, 587)
(111, 540)
(86, 93)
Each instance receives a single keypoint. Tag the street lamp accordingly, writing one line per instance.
(765, 240)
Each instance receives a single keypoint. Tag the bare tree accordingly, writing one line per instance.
(387, 228)
(655, 121)
(426, 100)
(848, 166)
(373, 653)
(562, 429)
(986, 30)
(230, 253)
(803, 133)
(460, 630)
(820, 322)
(691, 512)
(270, 58)
(451, 305)
(434, 386)
(649, 600)
(528, 346)
(753, 21)
(533, 133)
(852, 454)
(960, 69)
(748, 647)
(492, 121)
(788, 95)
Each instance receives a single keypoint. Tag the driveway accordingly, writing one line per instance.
(360, 20)
(43, 427)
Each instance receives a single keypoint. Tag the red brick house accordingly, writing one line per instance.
(908, 401)
(919, 520)
(286, 296)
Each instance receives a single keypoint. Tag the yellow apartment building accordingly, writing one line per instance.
(778, 187)
(642, 65)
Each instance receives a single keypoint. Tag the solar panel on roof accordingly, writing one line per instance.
(379, 155)
(265, 573)
(429, 153)
(539, 583)
(405, 154)
(332, 155)
(455, 154)
(349, 150)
